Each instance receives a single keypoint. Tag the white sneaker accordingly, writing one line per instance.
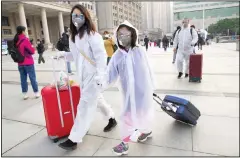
(25, 96)
(37, 95)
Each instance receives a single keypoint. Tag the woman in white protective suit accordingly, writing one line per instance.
(88, 52)
(130, 64)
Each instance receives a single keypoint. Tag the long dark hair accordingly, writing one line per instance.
(20, 30)
(133, 35)
(88, 25)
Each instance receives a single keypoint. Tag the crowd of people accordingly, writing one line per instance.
(99, 62)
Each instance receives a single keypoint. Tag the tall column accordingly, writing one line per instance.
(22, 17)
(45, 26)
(37, 27)
(33, 28)
(61, 25)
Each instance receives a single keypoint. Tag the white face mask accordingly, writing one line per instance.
(107, 36)
(125, 40)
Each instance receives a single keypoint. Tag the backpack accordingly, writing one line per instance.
(60, 45)
(16, 55)
(191, 35)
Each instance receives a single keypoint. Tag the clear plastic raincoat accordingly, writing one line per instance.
(136, 84)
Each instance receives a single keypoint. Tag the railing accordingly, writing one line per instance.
(59, 4)
(227, 39)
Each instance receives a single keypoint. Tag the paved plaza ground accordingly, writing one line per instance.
(217, 97)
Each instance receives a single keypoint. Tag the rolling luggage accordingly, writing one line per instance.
(179, 108)
(60, 107)
(195, 68)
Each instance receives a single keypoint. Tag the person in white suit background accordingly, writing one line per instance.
(185, 39)
(89, 55)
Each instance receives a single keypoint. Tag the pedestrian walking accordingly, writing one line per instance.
(159, 43)
(26, 68)
(40, 50)
(185, 39)
(165, 42)
(65, 42)
(130, 63)
(146, 42)
(109, 45)
(175, 52)
(88, 52)
(171, 42)
(194, 47)
(200, 41)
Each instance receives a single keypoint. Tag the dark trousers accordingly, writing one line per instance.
(165, 48)
(28, 70)
(108, 59)
(146, 44)
(199, 45)
(41, 59)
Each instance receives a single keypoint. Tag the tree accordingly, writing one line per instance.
(224, 26)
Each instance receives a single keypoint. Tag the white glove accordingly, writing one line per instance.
(100, 82)
(192, 44)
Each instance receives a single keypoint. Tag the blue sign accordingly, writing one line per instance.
(4, 47)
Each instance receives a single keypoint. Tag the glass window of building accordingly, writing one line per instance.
(28, 24)
(5, 21)
(6, 31)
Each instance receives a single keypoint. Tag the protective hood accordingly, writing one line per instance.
(129, 25)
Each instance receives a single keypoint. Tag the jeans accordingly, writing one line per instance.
(69, 67)
(28, 70)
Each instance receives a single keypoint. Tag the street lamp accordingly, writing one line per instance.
(203, 20)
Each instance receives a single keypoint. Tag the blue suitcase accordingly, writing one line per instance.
(179, 108)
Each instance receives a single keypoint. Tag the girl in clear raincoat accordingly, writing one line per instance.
(130, 64)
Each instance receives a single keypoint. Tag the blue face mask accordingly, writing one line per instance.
(78, 20)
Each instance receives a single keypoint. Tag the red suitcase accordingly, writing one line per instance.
(60, 109)
(195, 68)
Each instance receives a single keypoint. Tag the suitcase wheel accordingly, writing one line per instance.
(194, 123)
(55, 140)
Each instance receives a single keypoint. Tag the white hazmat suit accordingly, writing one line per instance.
(136, 83)
(93, 47)
(185, 42)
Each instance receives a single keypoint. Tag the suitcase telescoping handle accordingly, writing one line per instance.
(162, 103)
(57, 90)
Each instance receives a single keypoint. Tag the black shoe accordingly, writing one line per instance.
(173, 62)
(111, 124)
(68, 145)
(180, 75)
(186, 75)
